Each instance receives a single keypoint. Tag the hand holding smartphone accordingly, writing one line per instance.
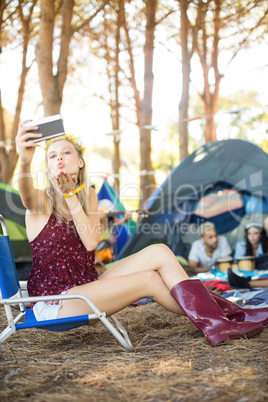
(50, 127)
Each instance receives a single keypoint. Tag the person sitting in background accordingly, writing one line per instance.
(108, 214)
(254, 244)
(106, 249)
(205, 251)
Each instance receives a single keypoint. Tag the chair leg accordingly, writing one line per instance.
(123, 331)
(122, 339)
(6, 333)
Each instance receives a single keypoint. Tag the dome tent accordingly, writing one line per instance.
(229, 165)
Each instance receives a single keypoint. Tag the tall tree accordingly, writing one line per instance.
(215, 26)
(144, 104)
(115, 109)
(55, 34)
(57, 17)
(218, 22)
(104, 42)
(150, 14)
(52, 83)
(23, 13)
(148, 180)
(209, 58)
(187, 43)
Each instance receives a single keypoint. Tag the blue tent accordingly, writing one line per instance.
(123, 232)
(225, 182)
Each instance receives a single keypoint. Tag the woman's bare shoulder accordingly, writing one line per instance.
(35, 222)
(42, 203)
(37, 218)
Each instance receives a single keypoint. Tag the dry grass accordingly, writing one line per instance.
(172, 362)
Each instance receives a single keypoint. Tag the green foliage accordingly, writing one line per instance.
(239, 100)
(168, 156)
(247, 116)
(196, 107)
(105, 152)
(242, 114)
(166, 161)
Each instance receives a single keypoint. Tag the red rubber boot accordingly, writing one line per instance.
(200, 307)
(240, 314)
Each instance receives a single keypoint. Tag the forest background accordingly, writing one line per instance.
(142, 83)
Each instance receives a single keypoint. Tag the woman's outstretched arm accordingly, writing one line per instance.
(30, 196)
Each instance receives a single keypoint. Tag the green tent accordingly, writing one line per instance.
(14, 214)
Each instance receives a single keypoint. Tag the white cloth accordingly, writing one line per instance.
(199, 255)
(45, 311)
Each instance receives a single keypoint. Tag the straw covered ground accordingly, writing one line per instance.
(172, 361)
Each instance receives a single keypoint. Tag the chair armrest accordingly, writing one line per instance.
(52, 297)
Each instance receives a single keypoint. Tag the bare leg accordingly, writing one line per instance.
(259, 283)
(157, 257)
(152, 272)
(114, 294)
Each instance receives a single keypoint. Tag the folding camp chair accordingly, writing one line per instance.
(12, 295)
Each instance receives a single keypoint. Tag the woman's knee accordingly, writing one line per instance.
(151, 278)
(161, 251)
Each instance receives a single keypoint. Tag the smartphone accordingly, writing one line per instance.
(50, 127)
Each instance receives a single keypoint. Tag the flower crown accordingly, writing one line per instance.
(69, 137)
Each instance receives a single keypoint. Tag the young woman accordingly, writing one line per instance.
(254, 244)
(63, 230)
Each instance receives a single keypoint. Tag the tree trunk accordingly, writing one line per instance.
(184, 102)
(144, 107)
(52, 84)
(116, 120)
(12, 156)
(210, 127)
(8, 154)
(3, 164)
(147, 179)
(3, 159)
(209, 62)
(117, 165)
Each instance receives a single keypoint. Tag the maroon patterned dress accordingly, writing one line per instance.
(60, 260)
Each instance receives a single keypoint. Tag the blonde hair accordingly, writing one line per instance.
(55, 197)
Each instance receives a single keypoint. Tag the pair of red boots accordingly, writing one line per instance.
(217, 318)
